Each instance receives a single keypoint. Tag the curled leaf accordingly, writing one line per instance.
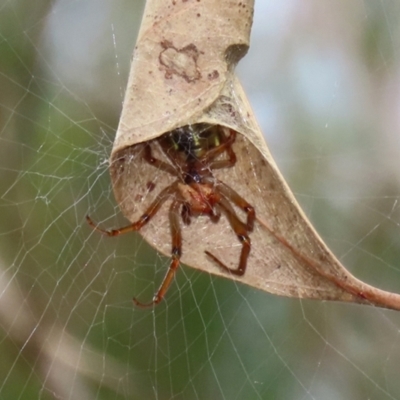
(182, 74)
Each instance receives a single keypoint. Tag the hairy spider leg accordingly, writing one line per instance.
(228, 163)
(216, 151)
(176, 253)
(240, 202)
(241, 232)
(161, 198)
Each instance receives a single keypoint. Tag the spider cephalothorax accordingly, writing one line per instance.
(193, 152)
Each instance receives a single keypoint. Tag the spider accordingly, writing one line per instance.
(194, 152)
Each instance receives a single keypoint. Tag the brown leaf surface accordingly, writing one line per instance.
(182, 73)
(182, 60)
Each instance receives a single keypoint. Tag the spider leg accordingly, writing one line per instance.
(155, 162)
(176, 255)
(144, 219)
(230, 162)
(241, 232)
(216, 151)
(239, 201)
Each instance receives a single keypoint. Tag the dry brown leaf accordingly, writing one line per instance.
(182, 73)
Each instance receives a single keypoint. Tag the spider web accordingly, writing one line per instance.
(323, 78)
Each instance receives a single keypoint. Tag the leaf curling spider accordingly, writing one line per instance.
(194, 152)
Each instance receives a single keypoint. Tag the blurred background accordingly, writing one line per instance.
(324, 80)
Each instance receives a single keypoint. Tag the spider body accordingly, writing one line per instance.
(186, 148)
(193, 152)
(198, 199)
